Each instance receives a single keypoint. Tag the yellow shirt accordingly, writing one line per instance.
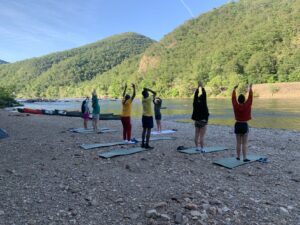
(126, 107)
(147, 106)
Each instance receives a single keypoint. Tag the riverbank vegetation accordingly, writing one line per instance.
(248, 41)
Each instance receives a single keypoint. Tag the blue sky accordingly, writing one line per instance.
(31, 28)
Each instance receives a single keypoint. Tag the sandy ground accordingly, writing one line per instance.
(46, 178)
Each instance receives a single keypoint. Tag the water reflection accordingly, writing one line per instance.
(266, 113)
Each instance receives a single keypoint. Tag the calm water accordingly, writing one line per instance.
(266, 113)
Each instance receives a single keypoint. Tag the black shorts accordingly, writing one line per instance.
(158, 117)
(147, 121)
(241, 128)
(200, 123)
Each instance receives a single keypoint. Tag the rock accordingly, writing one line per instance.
(191, 206)
(187, 199)
(165, 217)
(204, 215)
(178, 218)
(205, 206)
(283, 211)
(195, 213)
(200, 222)
(152, 213)
(212, 210)
(225, 209)
(1, 212)
(215, 202)
(119, 200)
(134, 216)
(161, 205)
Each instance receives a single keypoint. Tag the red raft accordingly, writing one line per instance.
(33, 111)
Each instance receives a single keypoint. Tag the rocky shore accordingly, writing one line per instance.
(46, 178)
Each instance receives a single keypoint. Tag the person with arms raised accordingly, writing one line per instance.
(200, 116)
(126, 114)
(242, 113)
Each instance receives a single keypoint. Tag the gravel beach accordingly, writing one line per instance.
(46, 178)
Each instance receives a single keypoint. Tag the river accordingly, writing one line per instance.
(266, 113)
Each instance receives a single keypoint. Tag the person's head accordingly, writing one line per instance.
(145, 93)
(241, 99)
(127, 97)
(87, 98)
(157, 100)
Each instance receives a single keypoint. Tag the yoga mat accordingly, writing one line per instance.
(90, 130)
(120, 152)
(3, 134)
(91, 146)
(163, 132)
(205, 150)
(232, 162)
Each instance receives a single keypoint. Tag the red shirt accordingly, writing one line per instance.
(242, 112)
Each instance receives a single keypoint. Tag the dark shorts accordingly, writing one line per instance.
(241, 128)
(158, 117)
(200, 123)
(147, 121)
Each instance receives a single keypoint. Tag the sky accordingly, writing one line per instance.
(32, 28)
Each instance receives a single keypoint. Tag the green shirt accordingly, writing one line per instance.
(95, 105)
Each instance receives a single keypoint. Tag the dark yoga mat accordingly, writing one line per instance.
(90, 130)
(232, 162)
(120, 152)
(3, 134)
(205, 150)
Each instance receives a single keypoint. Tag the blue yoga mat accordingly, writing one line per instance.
(3, 134)
(232, 162)
(102, 145)
(90, 130)
(205, 150)
(120, 152)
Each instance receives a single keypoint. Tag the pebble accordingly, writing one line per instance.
(178, 218)
(195, 213)
(152, 213)
(191, 206)
(165, 217)
(225, 209)
(1, 212)
(284, 211)
(161, 205)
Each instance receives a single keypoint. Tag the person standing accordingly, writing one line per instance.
(147, 119)
(242, 113)
(85, 112)
(96, 110)
(157, 106)
(200, 116)
(126, 114)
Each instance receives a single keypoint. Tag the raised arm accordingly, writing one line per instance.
(233, 97)
(124, 92)
(153, 92)
(250, 96)
(133, 93)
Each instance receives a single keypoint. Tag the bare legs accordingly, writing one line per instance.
(241, 144)
(199, 136)
(158, 124)
(146, 133)
(85, 122)
(95, 124)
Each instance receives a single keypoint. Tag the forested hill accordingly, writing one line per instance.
(254, 41)
(246, 41)
(3, 62)
(56, 74)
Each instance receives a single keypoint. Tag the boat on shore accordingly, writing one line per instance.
(56, 112)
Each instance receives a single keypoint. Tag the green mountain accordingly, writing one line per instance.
(59, 73)
(3, 62)
(254, 41)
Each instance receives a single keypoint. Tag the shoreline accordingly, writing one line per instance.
(48, 179)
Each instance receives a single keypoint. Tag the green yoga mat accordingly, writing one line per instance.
(232, 162)
(205, 150)
(91, 146)
(120, 152)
